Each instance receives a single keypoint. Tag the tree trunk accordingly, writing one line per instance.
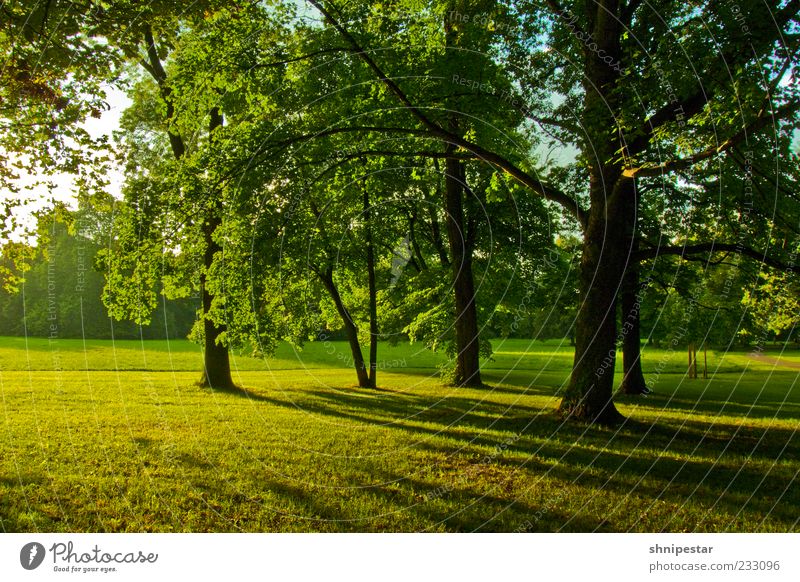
(633, 378)
(349, 327)
(467, 372)
(373, 295)
(588, 397)
(216, 361)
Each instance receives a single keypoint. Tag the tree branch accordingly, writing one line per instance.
(435, 130)
(420, 154)
(156, 70)
(303, 57)
(685, 250)
(688, 108)
(670, 166)
(694, 103)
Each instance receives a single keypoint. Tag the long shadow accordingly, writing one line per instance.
(520, 378)
(734, 490)
(785, 410)
(465, 510)
(570, 449)
(647, 474)
(442, 427)
(520, 381)
(239, 392)
(458, 508)
(518, 384)
(616, 459)
(444, 417)
(448, 413)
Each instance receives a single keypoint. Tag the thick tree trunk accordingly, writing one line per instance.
(216, 361)
(633, 378)
(373, 295)
(467, 372)
(588, 396)
(349, 327)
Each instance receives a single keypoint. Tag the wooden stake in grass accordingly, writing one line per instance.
(705, 362)
(692, 361)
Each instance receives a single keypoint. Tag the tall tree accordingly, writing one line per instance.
(449, 51)
(197, 75)
(621, 122)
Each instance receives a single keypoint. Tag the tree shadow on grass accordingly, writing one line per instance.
(458, 509)
(239, 392)
(768, 410)
(519, 381)
(448, 416)
(715, 483)
(724, 466)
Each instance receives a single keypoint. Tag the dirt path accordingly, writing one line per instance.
(768, 360)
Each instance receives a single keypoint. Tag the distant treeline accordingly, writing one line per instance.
(61, 297)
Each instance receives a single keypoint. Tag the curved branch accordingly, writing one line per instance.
(694, 103)
(435, 130)
(686, 250)
(156, 70)
(303, 57)
(760, 122)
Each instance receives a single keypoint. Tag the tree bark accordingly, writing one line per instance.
(588, 396)
(630, 300)
(633, 378)
(216, 360)
(373, 295)
(467, 371)
(326, 277)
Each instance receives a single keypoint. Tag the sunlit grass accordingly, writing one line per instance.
(119, 438)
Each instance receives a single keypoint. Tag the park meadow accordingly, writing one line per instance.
(119, 437)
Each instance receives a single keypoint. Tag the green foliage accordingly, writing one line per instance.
(774, 303)
(54, 289)
(51, 81)
(309, 128)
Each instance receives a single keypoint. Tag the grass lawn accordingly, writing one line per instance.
(98, 436)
